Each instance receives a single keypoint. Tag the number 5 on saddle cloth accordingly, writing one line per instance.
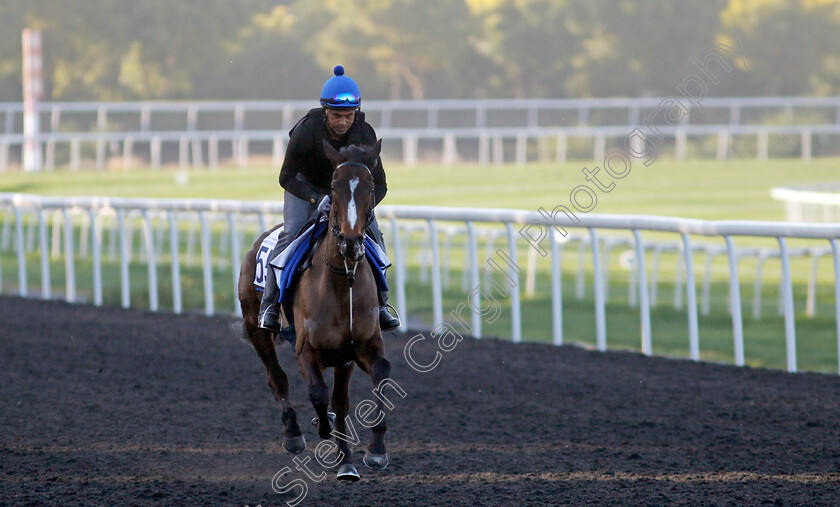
(291, 262)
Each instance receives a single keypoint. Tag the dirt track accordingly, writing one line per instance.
(105, 406)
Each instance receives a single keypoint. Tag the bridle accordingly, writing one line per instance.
(349, 272)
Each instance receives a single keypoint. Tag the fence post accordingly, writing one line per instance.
(155, 152)
(145, 118)
(787, 294)
(562, 147)
(475, 281)
(498, 150)
(410, 150)
(44, 245)
(515, 305)
(437, 297)
(600, 311)
(49, 156)
(183, 153)
(128, 148)
(762, 146)
(806, 145)
(735, 302)
(124, 259)
(4, 156)
(691, 300)
(207, 264)
(96, 244)
(450, 150)
(483, 149)
(722, 144)
(70, 277)
(151, 260)
(197, 156)
(21, 253)
(644, 303)
(213, 152)
(521, 148)
(177, 305)
(243, 152)
(679, 144)
(100, 153)
(556, 290)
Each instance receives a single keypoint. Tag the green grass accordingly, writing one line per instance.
(696, 189)
(711, 190)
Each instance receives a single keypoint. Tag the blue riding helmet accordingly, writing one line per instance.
(340, 92)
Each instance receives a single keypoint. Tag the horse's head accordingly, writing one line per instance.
(351, 210)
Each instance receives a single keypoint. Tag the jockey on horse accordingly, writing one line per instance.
(306, 175)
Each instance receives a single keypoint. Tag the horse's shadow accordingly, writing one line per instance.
(335, 310)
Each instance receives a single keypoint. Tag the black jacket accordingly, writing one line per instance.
(305, 156)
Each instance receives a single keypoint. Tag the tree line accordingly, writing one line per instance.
(114, 50)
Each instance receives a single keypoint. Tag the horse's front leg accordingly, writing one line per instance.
(341, 406)
(372, 360)
(319, 393)
(261, 339)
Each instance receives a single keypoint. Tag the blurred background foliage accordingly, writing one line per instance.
(103, 50)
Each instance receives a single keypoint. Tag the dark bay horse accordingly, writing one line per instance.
(336, 314)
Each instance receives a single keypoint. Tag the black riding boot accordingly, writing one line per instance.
(269, 317)
(269, 311)
(387, 322)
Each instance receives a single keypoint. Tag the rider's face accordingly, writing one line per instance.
(340, 121)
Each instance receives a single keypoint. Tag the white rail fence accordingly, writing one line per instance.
(810, 203)
(28, 218)
(428, 114)
(536, 128)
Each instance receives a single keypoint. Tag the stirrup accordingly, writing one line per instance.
(270, 321)
(395, 321)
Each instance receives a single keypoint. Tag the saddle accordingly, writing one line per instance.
(297, 258)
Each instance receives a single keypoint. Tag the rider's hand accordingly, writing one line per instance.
(324, 205)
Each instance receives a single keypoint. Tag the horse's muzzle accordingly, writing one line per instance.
(352, 249)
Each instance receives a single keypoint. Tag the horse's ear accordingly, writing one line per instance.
(331, 154)
(373, 154)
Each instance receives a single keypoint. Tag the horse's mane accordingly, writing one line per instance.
(354, 152)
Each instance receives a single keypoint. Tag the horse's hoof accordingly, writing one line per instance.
(347, 472)
(376, 461)
(294, 445)
(330, 415)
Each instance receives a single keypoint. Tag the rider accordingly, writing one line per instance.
(307, 173)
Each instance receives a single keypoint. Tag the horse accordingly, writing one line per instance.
(335, 309)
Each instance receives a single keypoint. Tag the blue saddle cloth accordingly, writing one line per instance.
(290, 273)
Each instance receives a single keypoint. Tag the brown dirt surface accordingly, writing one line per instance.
(104, 406)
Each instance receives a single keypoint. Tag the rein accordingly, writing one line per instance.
(351, 278)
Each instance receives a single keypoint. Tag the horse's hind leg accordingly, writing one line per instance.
(379, 368)
(341, 405)
(261, 339)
